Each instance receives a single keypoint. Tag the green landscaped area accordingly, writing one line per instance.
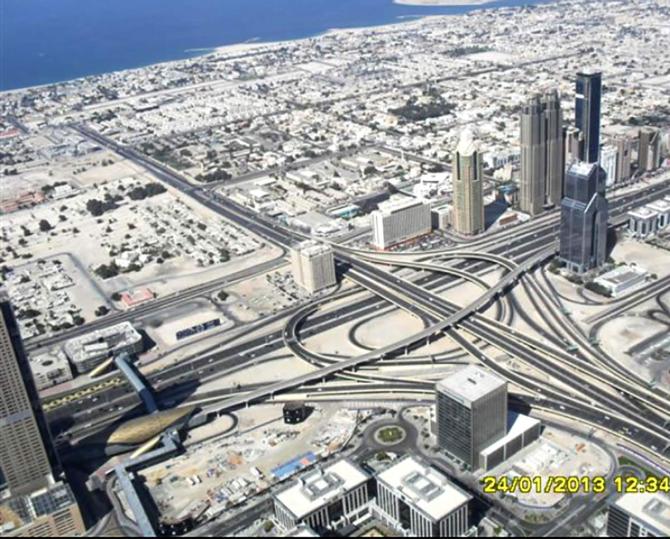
(390, 435)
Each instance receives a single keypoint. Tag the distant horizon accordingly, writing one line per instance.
(47, 43)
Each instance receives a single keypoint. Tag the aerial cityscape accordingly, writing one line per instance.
(407, 277)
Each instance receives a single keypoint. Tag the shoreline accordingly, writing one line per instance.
(442, 3)
(254, 44)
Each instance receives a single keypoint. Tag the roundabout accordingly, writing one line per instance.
(390, 435)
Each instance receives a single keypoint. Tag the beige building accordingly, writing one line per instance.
(26, 450)
(649, 153)
(313, 266)
(400, 219)
(468, 199)
(48, 512)
(542, 153)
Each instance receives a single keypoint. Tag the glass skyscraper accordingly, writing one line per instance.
(584, 213)
(587, 115)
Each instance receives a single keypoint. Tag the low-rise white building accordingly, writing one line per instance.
(662, 209)
(441, 216)
(89, 350)
(649, 219)
(642, 222)
(419, 501)
(325, 499)
(50, 370)
(640, 514)
(622, 279)
(400, 219)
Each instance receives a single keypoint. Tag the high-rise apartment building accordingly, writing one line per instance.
(587, 114)
(398, 220)
(542, 153)
(584, 213)
(471, 413)
(624, 151)
(27, 454)
(649, 152)
(467, 180)
(313, 266)
(608, 162)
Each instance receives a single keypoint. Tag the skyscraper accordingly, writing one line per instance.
(587, 114)
(584, 212)
(468, 198)
(27, 455)
(608, 162)
(649, 152)
(471, 413)
(533, 157)
(542, 153)
(623, 159)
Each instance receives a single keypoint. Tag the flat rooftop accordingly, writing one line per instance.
(622, 275)
(424, 487)
(318, 487)
(581, 168)
(471, 383)
(399, 203)
(660, 206)
(313, 248)
(651, 509)
(642, 213)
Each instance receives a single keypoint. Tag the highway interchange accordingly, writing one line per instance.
(605, 394)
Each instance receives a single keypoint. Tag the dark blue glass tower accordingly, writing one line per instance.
(584, 212)
(587, 115)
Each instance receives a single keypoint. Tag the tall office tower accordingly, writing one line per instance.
(587, 114)
(555, 175)
(27, 454)
(608, 162)
(624, 150)
(313, 265)
(398, 220)
(532, 192)
(542, 153)
(584, 212)
(471, 413)
(649, 153)
(468, 198)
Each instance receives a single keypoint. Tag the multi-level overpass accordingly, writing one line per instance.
(446, 317)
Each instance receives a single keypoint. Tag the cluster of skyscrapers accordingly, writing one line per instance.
(567, 167)
(579, 190)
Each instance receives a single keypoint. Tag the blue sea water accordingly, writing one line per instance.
(44, 41)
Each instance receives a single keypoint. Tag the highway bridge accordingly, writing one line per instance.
(284, 237)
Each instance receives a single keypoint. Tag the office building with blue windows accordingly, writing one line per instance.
(584, 213)
(587, 115)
